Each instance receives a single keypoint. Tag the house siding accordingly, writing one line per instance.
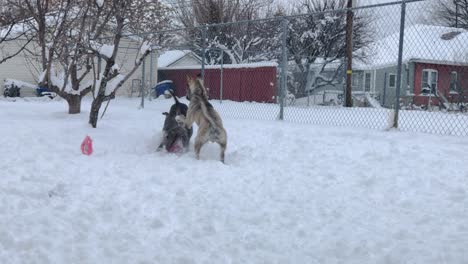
(386, 93)
(20, 67)
(126, 60)
(25, 67)
(239, 84)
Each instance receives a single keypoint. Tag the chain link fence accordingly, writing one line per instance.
(406, 72)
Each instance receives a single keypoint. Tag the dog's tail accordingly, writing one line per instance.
(174, 96)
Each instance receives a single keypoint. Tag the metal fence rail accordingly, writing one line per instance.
(406, 72)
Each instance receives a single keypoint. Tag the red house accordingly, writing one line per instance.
(254, 82)
(434, 70)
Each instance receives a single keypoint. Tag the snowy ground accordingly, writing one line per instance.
(289, 193)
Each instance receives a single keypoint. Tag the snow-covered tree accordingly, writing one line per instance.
(73, 35)
(125, 16)
(318, 40)
(59, 30)
(234, 43)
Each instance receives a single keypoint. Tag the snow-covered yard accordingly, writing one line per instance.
(289, 193)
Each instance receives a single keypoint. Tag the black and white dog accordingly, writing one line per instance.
(174, 129)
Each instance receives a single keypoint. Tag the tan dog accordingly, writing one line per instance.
(200, 111)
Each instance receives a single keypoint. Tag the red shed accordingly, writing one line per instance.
(255, 82)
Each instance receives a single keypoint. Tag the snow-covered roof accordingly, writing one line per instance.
(434, 44)
(225, 66)
(14, 31)
(169, 57)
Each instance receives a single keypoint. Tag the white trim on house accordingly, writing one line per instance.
(355, 83)
(375, 80)
(438, 62)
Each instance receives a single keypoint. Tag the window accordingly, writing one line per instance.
(392, 80)
(453, 81)
(367, 81)
(429, 81)
(355, 80)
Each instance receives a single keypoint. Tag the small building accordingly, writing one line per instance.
(253, 82)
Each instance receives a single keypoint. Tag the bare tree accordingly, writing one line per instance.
(232, 43)
(316, 42)
(13, 32)
(125, 16)
(59, 28)
(452, 13)
(68, 62)
(74, 35)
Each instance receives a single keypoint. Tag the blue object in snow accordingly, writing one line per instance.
(163, 86)
(41, 90)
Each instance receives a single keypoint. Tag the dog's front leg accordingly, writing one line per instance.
(160, 147)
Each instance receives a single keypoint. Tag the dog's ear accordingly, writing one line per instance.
(189, 79)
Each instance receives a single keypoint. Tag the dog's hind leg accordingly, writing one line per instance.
(223, 150)
(202, 138)
(197, 148)
(222, 141)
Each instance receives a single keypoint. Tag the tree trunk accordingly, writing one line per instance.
(74, 104)
(94, 114)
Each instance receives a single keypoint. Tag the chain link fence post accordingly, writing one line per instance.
(284, 66)
(400, 58)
